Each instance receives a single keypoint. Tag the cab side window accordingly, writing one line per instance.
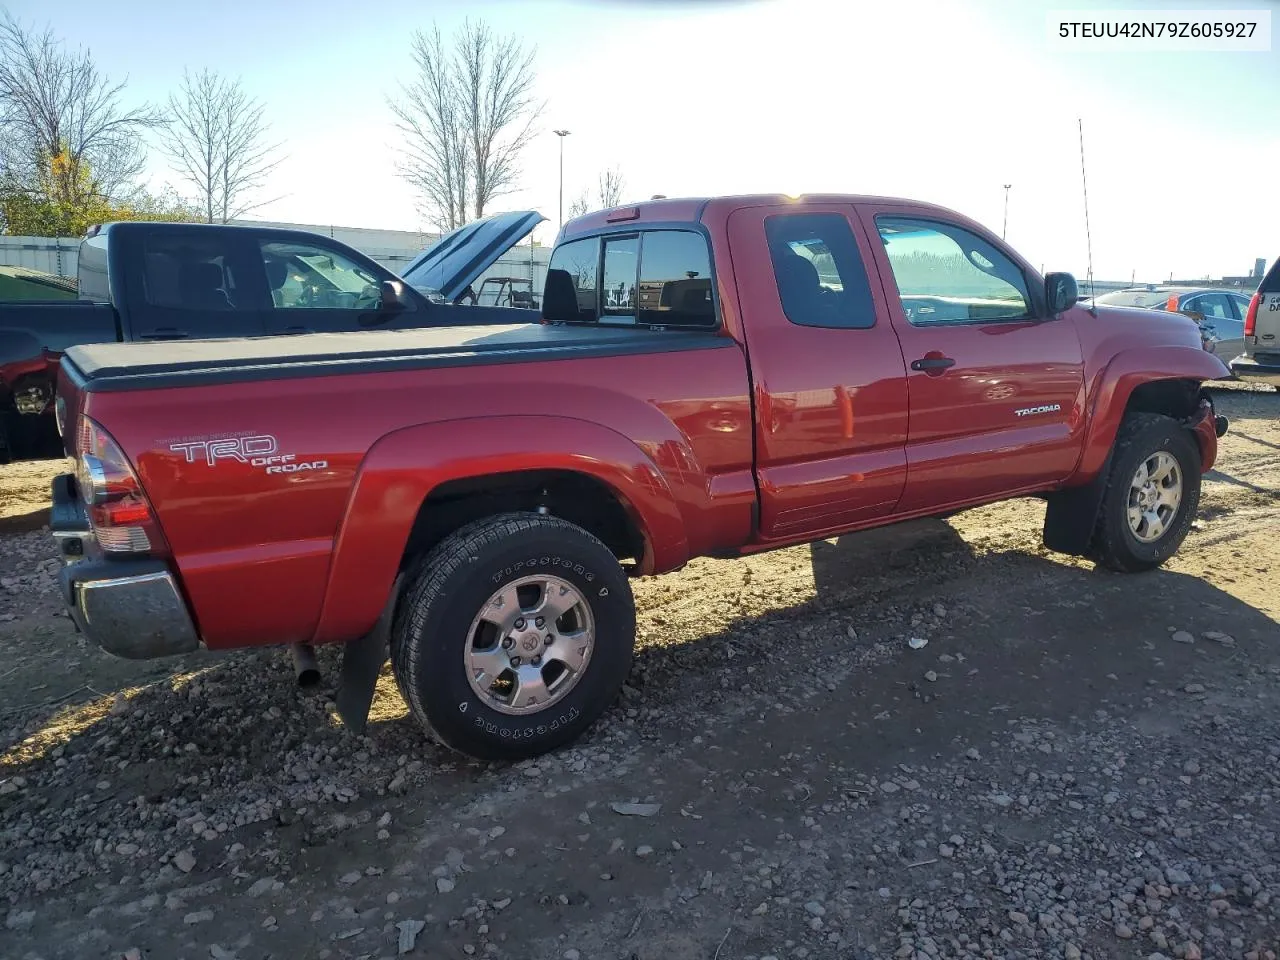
(945, 274)
(195, 273)
(821, 279)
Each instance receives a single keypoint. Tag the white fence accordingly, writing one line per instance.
(46, 254)
(59, 256)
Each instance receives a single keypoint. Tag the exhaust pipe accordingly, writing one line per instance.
(304, 665)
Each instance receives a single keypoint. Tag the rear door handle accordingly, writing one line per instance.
(932, 363)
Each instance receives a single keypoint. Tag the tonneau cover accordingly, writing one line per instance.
(150, 365)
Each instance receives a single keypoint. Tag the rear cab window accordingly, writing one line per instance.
(659, 277)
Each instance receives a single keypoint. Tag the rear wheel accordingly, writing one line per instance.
(1153, 492)
(515, 635)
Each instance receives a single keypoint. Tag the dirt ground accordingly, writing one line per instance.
(1077, 764)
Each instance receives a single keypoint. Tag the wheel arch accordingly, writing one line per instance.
(458, 466)
(1165, 380)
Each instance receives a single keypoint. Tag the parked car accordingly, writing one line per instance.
(1219, 313)
(1259, 361)
(474, 500)
(167, 281)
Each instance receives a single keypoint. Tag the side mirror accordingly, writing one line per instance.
(393, 296)
(1060, 291)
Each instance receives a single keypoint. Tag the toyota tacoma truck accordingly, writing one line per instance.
(175, 281)
(709, 378)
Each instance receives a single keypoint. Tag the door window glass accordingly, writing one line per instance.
(946, 274)
(306, 276)
(1212, 305)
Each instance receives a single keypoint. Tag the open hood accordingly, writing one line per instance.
(460, 256)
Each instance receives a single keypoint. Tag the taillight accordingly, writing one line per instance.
(121, 517)
(1251, 318)
(1172, 304)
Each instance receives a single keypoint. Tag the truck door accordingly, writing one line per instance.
(187, 283)
(829, 379)
(995, 384)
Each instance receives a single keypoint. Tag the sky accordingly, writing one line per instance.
(937, 100)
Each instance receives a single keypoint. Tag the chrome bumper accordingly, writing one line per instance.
(130, 608)
(1256, 371)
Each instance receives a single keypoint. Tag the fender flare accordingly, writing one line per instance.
(403, 467)
(1072, 512)
(1126, 371)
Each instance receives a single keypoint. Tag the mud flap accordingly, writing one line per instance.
(362, 661)
(1072, 514)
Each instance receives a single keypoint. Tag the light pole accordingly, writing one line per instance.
(1006, 210)
(561, 134)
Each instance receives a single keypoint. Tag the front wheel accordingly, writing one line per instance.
(515, 635)
(1153, 492)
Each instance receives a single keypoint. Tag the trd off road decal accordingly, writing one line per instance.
(258, 451)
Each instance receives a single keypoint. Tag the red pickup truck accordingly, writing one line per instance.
(709, 378)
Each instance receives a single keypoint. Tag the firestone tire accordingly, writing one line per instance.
(1152, 495)
(443, 629)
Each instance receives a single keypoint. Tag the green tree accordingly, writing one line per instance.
(64, 200)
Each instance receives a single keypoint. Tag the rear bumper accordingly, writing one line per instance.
(130, 608)
(1256, 371)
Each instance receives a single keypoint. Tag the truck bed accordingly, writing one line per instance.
(140, 366)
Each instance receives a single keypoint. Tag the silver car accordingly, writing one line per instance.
(1219, 313)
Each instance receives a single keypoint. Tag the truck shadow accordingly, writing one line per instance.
(24, 522)
(1022, 636)
(1227, 478)
(1258, 440)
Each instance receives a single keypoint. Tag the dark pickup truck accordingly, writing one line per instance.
(166, 281)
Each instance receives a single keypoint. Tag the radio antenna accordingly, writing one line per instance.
(1088, 239)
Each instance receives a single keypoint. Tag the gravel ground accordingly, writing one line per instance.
(1076, 764)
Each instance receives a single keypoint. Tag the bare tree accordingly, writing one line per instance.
(467, 116)
(435, 160)
(611, 186)
(580, 206)
(55, 105)
(216, 139)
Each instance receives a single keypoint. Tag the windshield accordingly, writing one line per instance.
(1135, 298)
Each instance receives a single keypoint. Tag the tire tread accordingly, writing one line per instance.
(429, 580)
(1109, 548)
